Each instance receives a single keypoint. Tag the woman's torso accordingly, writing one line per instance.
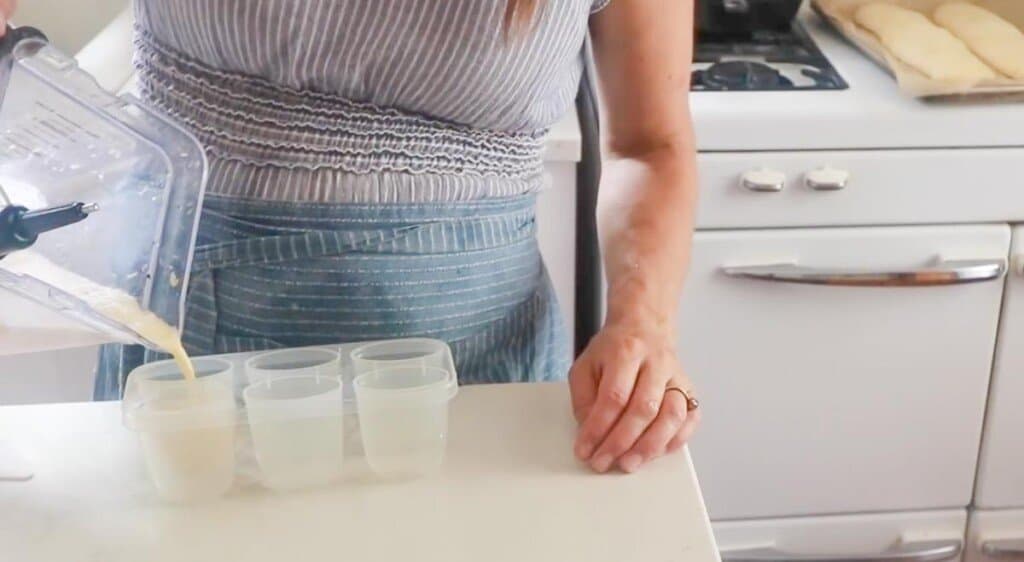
(363, 100)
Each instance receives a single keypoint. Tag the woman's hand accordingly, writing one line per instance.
(7, 8)
(619, 396)
(621, 385)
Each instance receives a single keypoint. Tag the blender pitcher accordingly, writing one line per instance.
(99, 186)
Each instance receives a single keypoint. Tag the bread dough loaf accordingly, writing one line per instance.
(912, 38)
(993, 39)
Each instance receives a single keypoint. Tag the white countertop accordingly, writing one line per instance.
(872, 113)
(510, 490)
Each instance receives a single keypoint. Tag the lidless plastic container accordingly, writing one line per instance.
(297, 429)
(403, 418)
(64, 139)
(186, 428)
(293, 430)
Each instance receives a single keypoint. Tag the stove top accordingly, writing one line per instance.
(762, 61)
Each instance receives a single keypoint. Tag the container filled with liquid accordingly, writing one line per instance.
(292, 419)
(65, 140)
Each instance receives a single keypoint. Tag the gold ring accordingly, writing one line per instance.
(691, 402)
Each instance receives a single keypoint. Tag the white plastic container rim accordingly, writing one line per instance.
(442, 386)
(297, 402)
(281, 363)
(410, 351)
(153, 383)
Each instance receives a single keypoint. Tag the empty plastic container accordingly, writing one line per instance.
(403, 418)
(421, 352)
(297, 430)
(186, 428)
(308, 361)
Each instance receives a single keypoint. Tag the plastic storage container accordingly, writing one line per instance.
(63, 139)
(186, 428)
(403, 418)
(296, 429)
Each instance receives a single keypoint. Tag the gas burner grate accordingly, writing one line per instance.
(762, 61)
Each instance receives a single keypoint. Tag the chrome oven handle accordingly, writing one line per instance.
(956, 272)
(1011, 549)
(931, 551)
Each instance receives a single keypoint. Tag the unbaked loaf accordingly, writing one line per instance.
(918, 42)
(994, 40)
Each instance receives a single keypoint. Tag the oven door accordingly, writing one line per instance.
(841, 370)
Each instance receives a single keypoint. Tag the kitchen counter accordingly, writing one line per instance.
(510, 490)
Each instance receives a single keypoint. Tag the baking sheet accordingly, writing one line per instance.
(911, 81)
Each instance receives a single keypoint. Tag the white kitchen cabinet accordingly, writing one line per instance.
(995, 536)
(1001, 463)
(823, 399)
(929, 536)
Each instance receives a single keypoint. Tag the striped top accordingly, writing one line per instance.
(362, 100)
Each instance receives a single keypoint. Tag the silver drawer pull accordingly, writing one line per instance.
(1012, 549)
(956, 272)
(931, 551)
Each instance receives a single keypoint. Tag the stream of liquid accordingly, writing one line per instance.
(112, 304)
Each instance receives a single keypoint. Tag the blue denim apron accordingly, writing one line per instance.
(273, 274)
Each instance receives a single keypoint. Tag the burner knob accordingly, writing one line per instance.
(763, 180)
(826, 179)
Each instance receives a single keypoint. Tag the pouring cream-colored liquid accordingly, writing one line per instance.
(115, 305)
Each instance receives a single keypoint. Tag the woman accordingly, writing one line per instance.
(373, 165)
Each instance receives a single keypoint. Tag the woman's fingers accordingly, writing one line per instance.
(659, 437)
(683, 436)
(617, 380)
(641, 410)
(582, 388)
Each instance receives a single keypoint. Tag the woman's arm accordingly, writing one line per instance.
(645, 213)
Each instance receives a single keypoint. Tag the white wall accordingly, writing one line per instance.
(68, 24)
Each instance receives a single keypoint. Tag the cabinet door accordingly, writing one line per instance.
(995, 536)
(832, 398)
(1001, 464)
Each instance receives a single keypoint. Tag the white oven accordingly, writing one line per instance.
(840, 318)
(842, 341)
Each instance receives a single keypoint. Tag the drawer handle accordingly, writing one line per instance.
(1004, 549)
(931, 551)
(956, 272)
